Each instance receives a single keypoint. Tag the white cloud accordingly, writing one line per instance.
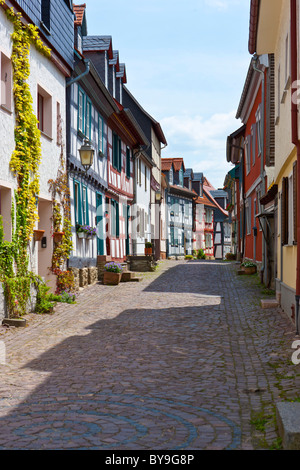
(201, 142)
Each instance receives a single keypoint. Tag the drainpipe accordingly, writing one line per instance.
(295, 141)
(87, 69)
(262, 272)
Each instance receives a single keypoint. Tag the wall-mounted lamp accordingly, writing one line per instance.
(158, 196)
(86, 153)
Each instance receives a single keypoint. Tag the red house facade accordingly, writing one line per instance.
(252, 111)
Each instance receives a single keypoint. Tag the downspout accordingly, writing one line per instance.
(87, 69)
(295, 141)
(263, 267)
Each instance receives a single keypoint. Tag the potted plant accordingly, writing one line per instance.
(38, 234)
(80, 232)
(250, 267)
(57, 236)
(148, 248)
(112, 273)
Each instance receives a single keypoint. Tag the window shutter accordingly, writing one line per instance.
(117, 220)
(295, 199)
(284, 212)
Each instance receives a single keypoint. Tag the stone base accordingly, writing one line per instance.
(16, 322)
(141, 263)
(128, 276)
(269, 303)
(288, 421)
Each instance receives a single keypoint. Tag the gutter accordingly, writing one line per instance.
(295, 141)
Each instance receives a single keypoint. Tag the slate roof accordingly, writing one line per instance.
(98, 43)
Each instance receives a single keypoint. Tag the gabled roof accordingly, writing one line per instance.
(204, 200)
(98, 44)
(80, 17)
(177, 163)
(122, 73)
(115, 60)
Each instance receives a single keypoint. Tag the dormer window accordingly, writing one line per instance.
(171, 175)
(79, 42)
(181, 177)
(45, 14)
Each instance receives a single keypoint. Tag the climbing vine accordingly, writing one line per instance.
(59, 189)
(24, 164)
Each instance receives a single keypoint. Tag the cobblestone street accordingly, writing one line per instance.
(184, 359)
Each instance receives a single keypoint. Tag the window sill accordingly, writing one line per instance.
(4, 108)
(48, 137)
(44, 27)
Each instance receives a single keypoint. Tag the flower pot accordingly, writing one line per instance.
(111, 278)
(57, 236)
(80, 234)
(250, 270)
(148, 251)
(38, 234)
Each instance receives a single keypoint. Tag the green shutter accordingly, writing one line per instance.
(119, 155)
(77, 202)
(117, 220)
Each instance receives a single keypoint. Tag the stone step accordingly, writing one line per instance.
(288, 421)
(129, 276)
(269, 303)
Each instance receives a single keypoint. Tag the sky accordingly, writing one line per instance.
(186, 64)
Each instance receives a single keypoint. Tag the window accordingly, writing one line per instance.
(258, 130)
(88, 121)
(287, 72)
(44, 111)
(77, 203)
(85, 206)
(181, 177)
(171, 175)
(117, 152)
(58, 125)
(6, 82)
(128, 162)
(45, 13)
(248, 216)
(253, 138)
(80, 110)
(248, 153)
(115, 219)
(289, 208)
(100, 134)
(140, 172)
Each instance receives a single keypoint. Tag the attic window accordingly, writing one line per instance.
(45, 14)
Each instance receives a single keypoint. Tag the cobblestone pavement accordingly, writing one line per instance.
(184, 359)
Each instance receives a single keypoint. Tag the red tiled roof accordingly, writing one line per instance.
(166, 163)
(79, 12)
(254, 10)
(204, 200)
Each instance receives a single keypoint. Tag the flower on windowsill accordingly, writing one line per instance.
(113, 267)
(91, 231)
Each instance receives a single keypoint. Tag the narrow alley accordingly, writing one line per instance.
(184, 359)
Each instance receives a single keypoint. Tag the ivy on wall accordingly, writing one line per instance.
(24, 164)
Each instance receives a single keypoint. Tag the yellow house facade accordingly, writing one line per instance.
(273, 30)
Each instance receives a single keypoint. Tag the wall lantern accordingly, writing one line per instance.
(158, 196)
(86, 152)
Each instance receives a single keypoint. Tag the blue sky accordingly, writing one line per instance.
(186, 64)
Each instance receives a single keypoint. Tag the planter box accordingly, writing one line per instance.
(251, 270)
(148, 251)
(81, 235)
(111, 278)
